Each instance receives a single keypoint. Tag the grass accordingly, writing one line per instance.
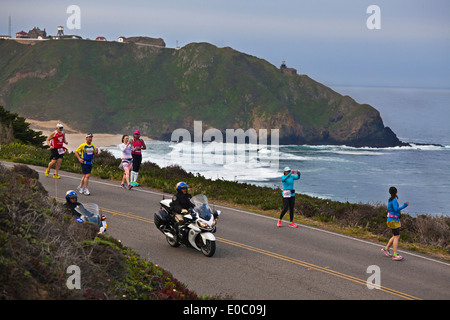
(424, 233)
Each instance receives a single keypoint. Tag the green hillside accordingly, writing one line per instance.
(118, 87)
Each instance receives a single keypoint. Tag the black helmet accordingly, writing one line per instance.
(71, 194)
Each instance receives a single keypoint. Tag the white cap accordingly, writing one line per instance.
(286, 169)
(59, 125)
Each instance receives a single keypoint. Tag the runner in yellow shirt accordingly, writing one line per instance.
(85, 154)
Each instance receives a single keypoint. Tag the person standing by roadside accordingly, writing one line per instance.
(288, 195)
(56, 141)
(127, 161)
(85, 154)
(136, 152)
(393, 222)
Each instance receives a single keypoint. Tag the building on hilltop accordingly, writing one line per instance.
(100, 39)
(37, 33)
(286, 70)
(121, 39)
(22, 34)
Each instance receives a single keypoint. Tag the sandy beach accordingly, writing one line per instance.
(74, 137)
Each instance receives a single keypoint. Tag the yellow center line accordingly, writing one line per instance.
(307, 265)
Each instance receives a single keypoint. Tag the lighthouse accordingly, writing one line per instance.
(60, 33)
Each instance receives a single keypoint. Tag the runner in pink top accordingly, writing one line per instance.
(136, 152)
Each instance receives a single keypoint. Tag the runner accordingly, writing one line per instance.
(136, 153)
(56, 141)
(85, 154)
(127, 161)
(288, 195)
(393, 222)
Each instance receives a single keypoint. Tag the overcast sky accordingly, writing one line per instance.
(326, 39)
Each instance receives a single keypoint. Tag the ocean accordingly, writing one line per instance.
(421, 173)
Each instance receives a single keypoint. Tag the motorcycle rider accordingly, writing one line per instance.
(72, 202)
(181, 202)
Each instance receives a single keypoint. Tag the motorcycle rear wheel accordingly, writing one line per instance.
(173, 242)
(209, 248)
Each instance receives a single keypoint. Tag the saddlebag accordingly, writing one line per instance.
(161, 218)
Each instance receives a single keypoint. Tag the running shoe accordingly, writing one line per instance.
(293, 225)
(397, 257)
(47, 172)
(86, 191)
(123, 185)
(55, 176)
(386, 252)
(80, 189)
(279, 223)
(130, 186)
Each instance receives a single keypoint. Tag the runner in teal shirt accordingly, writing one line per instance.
(288, 194)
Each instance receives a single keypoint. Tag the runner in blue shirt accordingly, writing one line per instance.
(393, 222)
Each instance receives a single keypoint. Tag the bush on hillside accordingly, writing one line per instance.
(21, 129)
(39, 240)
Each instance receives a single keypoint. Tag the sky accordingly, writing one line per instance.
(328, 40)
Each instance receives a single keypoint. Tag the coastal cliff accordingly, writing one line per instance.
(113, 87)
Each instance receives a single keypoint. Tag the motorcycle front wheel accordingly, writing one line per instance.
(208, 248)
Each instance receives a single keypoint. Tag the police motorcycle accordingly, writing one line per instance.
(87, 212)
(91, 213)
(196, 230)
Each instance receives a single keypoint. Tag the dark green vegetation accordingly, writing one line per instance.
(14, 129)
(39, 240)
(113, 87)
(424, 233)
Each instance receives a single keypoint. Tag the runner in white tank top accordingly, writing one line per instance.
(127, 161)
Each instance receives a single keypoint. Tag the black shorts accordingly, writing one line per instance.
(54, 154)
(86, 168)
(396, 232)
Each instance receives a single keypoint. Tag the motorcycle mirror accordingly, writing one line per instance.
(103, 218)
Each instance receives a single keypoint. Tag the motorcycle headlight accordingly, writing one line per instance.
(202, 224)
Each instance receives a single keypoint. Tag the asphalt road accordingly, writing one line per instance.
(256, 260)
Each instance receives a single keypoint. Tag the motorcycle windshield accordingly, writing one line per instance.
(89, 211)
(202, 207)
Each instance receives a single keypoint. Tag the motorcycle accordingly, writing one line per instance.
(196, 230)
(90, 212)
